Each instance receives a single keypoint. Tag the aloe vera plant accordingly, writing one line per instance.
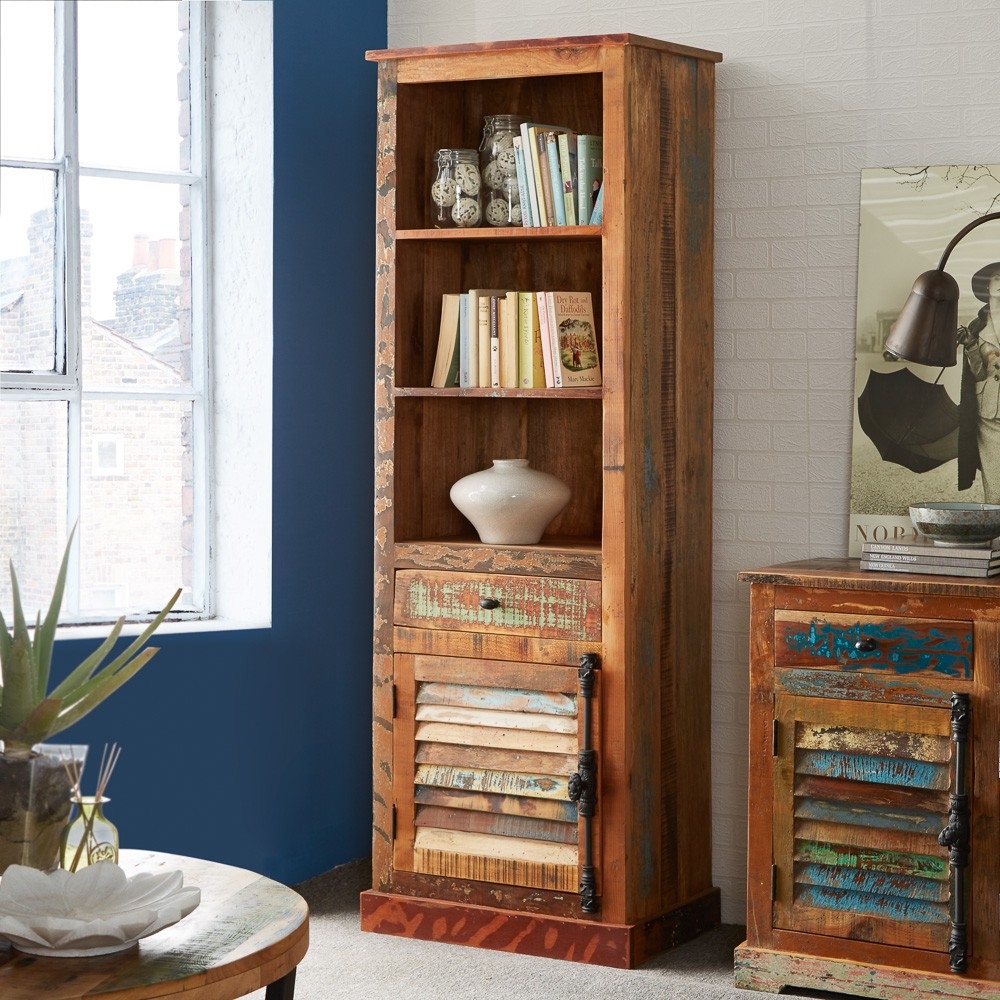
(31, 714)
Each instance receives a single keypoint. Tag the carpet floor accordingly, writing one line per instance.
(344, 962)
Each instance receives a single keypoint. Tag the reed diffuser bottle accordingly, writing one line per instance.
(91, 836)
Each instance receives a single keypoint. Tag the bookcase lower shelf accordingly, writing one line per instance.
(619, 946)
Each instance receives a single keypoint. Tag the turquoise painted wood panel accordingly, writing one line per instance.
(887, 907)
(881, 770)
(870, 816)
(874, 883)
(899, 648)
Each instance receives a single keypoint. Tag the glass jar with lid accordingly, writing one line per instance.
(501, 197)
(455, 191)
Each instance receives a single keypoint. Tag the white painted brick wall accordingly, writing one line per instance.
(809, 92)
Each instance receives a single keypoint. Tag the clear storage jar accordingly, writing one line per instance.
(455, 191)
(501, 199)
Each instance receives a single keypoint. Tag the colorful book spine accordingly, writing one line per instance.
(531, 178)
(543, 176)
(494, 329)
(927, 550)
(543, 324)
(932, 568)
(530, 363)
(590, 172)
(555, 178)
(557, 371)
(567, 164)
(464, 370)
(527, 215)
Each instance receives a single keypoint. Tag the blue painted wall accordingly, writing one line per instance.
(253, 748)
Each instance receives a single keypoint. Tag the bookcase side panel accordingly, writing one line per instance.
(385, 340)
(687, 165)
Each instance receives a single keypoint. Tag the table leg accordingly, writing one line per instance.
(283, 988)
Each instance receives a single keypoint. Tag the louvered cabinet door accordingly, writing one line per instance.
(861, 794)
(484, 754)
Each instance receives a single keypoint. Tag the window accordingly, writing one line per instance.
(108, 418)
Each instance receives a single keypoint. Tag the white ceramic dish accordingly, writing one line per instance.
(95, 911)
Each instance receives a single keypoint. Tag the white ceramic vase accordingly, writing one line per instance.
(510, 503)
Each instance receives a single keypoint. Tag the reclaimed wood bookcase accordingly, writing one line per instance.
(874, 833)
(542, 712)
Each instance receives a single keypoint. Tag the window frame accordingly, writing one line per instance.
(65, 382)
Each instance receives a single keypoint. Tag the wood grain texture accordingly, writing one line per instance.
(247, 932)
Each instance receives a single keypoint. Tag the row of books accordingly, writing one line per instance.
(919, 556)
(504, 338)
(560, 176)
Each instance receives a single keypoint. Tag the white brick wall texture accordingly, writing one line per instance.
(809, 92)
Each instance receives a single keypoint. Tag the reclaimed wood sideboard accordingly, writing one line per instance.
(874, 830)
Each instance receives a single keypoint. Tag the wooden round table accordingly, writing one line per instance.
(247, 933)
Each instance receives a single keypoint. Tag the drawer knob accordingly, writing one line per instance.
(488, 603)
(868, 645)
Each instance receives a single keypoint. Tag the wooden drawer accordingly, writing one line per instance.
(898, 646)
(520, 605)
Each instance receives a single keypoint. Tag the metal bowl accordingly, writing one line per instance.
(957, 523)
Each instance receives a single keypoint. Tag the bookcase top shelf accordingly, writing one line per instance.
(536, 45)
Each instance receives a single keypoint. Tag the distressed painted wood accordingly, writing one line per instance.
(492, 868)
(492, 759)
(566, 557)
(858, 779)
(624, 572)
(489, 846)
(877, 859)
(505, 699)
(477, 717)
(528, 605)
(593, 942)
(771, 971)
(246, 933)
(502, 825)
(906, 886)
(533, 673)
(898, 647)
(857, 687)
(504, 782)
(513, 805)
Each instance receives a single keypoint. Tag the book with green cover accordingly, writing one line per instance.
(590, 172)
(575, 339)
(530, 363)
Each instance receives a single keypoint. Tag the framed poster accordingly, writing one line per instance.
(905, 445)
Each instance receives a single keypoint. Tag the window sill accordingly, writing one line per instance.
(191, 627)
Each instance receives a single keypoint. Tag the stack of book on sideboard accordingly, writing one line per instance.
(919, 556)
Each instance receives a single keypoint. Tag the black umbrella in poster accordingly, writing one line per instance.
(912, 422)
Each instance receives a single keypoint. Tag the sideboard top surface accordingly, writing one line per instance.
(846, 574)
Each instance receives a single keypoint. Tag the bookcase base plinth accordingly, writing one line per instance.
(620, 946)
(768, 971)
